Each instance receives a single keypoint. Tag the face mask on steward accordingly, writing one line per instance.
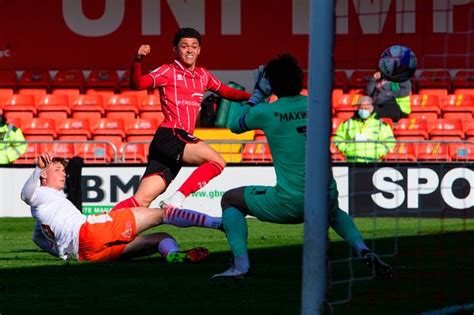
(364, 113)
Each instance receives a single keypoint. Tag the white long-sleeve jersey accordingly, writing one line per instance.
(60, 220)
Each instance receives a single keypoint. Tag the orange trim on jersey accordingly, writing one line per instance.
(105, 236)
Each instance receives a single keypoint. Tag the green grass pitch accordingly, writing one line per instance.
(434, 268)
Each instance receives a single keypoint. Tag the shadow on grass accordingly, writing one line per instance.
(432, 271)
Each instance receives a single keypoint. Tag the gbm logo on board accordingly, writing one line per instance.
(437, 190)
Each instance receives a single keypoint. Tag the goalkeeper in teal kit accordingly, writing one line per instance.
(284, 124)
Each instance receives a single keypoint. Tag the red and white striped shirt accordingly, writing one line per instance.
(181, 91)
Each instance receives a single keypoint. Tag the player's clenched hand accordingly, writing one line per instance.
(377, 75)
(143, 50)
(44, 159)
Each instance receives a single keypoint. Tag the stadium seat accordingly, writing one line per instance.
(465, 91)
(61, 149)
(68, 79)
(461, 151)
(411, 128)
(141, 129)
(440, 93)
(32, 151)
(340, 80)
(358, 81)
(434, 79)
(5, 94)
(335, 124)
(401, 152)
(432, 152)
(388, 121)
(133, 153)
(54, 106)
(34, 82)
(74, 129)
(21, 106)
(93, 153)
(88, 107)
(122, 106)
(464, 79)
(40, 129)
(8, 81)
(447, 129)
(346, 106)
(109, 129)
(469, 129)
(336, 94)
(102, 80)
(256, 153)
(456, 104)
(150, 107)
(425, 103)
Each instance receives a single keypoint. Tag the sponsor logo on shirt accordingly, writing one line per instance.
(179, 77)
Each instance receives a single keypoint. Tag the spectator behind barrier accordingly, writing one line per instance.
(364, 137)
(11, 146)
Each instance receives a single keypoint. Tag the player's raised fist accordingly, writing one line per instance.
(144, 50)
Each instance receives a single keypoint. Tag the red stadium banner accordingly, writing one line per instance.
(238, 34)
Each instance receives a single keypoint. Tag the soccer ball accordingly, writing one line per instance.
(397, 63)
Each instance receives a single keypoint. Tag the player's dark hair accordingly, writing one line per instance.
(284, 75)
(186, 32)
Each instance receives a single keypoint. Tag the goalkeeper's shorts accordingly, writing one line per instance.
(266, 204)
(105, 236)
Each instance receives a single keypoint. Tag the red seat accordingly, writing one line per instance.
(122, 106)
(440, 93)
(141, 129)
(346, 106)
(74, 129)
(72, 80)
(102, 80)
(433, 152)
(21, 106)
(401, 152)
(469, 91)
(32, 81)
(358, 81)
(33, 150)
(88, 107)
(447, 129)
(150, 107)
(340, 80)
(461, 151)
(336, 94)
(133, 153)
(109, 129)
(256, 152)
(61, 149)
(8, 80)
(54, 106)
(464, 79)
(458, 103)
(335, 124)
(411, 128)
(469, 129)
(425, 103)
(40, 129)
(93, 152)
(434, 79)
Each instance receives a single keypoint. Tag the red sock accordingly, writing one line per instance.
(200, 177)
(127, 203)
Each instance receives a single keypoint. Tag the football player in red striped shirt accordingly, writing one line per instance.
(181, 85)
